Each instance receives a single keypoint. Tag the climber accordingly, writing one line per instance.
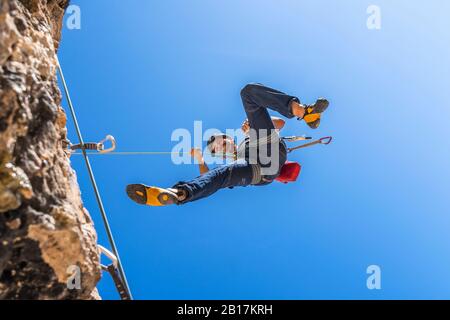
(252, 166)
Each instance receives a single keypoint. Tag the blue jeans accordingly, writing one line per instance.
(256, 98)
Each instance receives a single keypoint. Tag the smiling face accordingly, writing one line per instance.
(221, 144)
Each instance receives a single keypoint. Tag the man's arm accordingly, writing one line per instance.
(278, 123)
(197, 154)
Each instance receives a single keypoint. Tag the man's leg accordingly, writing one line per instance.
(239, 173)
(232, 175)
(256, 98)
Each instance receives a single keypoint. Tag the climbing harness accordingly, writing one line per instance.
(119, 273)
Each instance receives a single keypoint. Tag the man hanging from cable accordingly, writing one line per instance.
(259, 158)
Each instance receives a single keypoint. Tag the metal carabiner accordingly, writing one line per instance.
(109, 254)
(101, 144)
(326, 140)
(112, 269)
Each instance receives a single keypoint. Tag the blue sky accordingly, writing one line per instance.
(377, 195)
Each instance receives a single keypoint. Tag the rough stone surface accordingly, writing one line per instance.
(44, 228)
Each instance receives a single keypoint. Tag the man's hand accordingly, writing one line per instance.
(277, 123)
(245, 126)
(197, 154)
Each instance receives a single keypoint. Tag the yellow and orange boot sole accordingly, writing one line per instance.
(151, 196)
(314, 113)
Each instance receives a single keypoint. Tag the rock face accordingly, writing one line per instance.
(46, 234)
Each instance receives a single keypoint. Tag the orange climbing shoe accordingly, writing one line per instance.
(151, 196)
(313, 112)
